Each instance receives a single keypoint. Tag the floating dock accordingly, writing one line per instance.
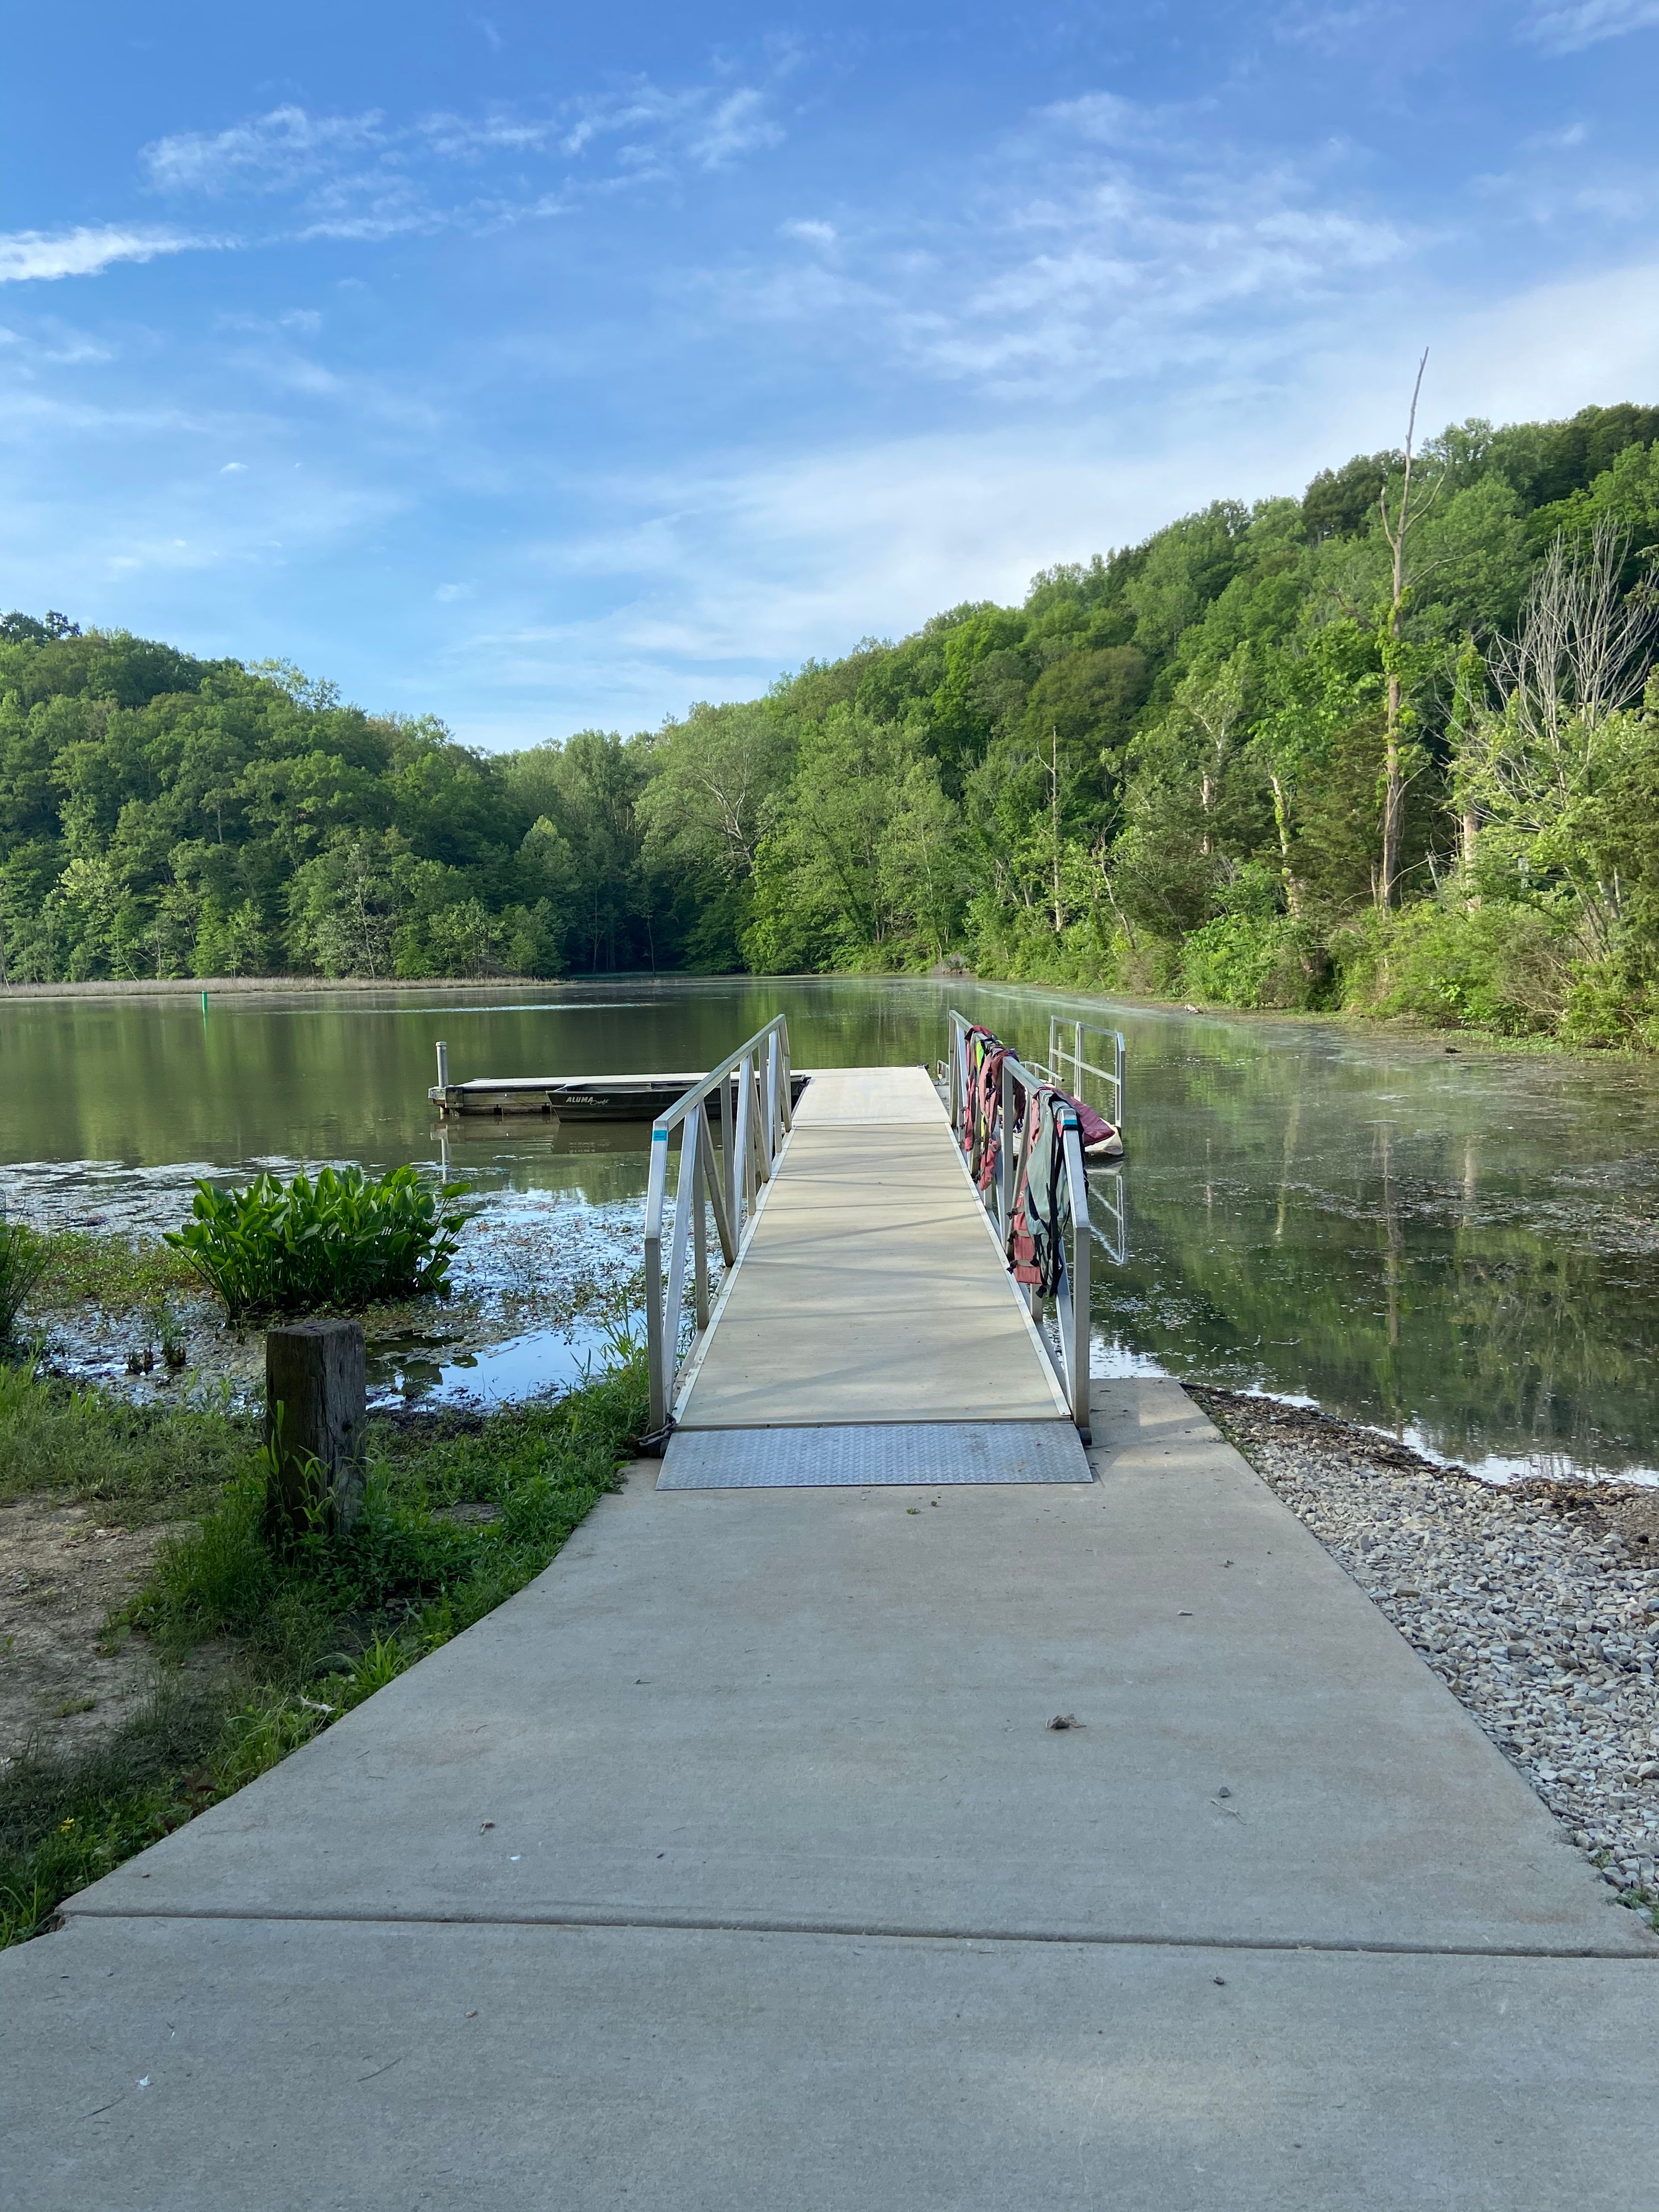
(568, 1097)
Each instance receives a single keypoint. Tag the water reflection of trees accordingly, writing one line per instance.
(1468, 1264)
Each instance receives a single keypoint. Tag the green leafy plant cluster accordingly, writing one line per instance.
(341, 1242)
(461, 1511)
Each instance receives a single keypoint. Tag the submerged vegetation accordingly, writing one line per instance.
(1391, 745)
(340, 1243)
(461, 1511)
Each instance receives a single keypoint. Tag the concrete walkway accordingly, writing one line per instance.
(734, 1865)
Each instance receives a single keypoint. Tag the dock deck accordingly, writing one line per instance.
(872, 1290)
(871, 1316)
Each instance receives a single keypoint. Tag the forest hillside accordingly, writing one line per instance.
(1392, 745)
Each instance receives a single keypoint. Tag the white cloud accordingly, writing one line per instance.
(1329, 30)
(27, 255)
(267, 154)
(1106, 119)
(373, 225)
(1586, 23)
(1102, 242)
(234, 469)
(737, 125)
(363, 177)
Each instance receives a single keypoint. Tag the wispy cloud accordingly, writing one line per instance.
(27, 255)
(364, 176)
(271, 153)
(1586, 22)
(1103, 241)
(1327, 30)
(809, 232)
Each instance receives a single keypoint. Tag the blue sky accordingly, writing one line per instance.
(543, 367)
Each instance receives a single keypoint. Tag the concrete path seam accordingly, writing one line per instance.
(579, 1917)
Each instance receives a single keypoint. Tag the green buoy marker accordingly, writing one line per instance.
(204, 1002)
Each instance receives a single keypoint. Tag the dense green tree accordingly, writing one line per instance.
(1252, 759)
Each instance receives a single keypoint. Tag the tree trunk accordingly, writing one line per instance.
(1397, 529)
(1393, 789)
(1282, 822)
(1053, 815)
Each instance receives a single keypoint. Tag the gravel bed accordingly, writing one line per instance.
(1537, 1603)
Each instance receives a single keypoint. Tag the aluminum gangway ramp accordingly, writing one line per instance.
(871, 1332)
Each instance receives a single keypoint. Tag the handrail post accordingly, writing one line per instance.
(676, 1284)
(660, 1368)
(714, 1183)
(730, 1156)
(1078, 1360)
(1005, 1154)
(757, 1130)
(693, 1135)
(743, 1145)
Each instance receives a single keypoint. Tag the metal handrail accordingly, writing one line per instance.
(1066, 1067)
(752, 1092)
(1060, 1056)
(1071, 1366)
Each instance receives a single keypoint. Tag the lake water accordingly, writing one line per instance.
(1459, 1247)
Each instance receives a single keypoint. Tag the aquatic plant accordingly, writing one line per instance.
(341, 1242)
(22, 1262)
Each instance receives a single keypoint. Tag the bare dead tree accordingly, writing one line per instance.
(1398, 519)
(1215, 709)
(1580, 652)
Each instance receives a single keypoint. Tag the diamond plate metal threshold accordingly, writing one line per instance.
(860, 1455)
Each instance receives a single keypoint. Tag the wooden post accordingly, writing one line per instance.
(315, 1407)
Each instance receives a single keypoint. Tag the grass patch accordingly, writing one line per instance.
(121, 1273)
(461, 1511)
(158, 1462)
